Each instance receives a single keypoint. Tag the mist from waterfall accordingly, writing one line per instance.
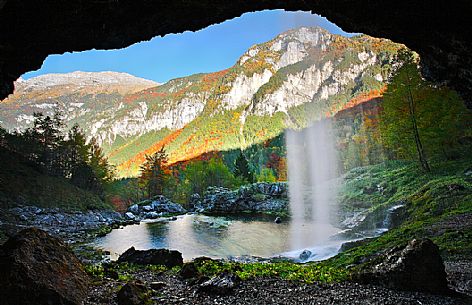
(312, 168)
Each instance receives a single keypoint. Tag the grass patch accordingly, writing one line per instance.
(122, 271)
(309, 273)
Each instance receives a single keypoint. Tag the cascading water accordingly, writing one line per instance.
(312, 170)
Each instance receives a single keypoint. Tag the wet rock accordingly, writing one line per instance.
(378, 220)
(134, 209)
(147, 208)
(130, 216)
(152, 215)
(194, 202)
(132, 293)
(37, 268)
(278, 220)
(305, 255)
(220, 284)
(169, 258)
(355, 243)
(156, 207)
(189, 270)
(417, 267)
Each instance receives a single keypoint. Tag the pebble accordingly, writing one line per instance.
(158, 285)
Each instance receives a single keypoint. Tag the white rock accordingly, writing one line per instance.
(130, 216)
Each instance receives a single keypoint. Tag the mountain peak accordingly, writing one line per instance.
(84, 79)
(302, 30)
(304, 34)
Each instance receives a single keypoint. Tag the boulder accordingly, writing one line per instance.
(195, 202)
(416, 267)
(163, 204)
(133, 293)
(130, 216)
(134, 209)
(168, 258)
(156, 207)
(221, 284)
(305, 255)
(147, 208)
(189, 270)
(37, 268)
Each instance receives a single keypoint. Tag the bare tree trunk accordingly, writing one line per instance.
(419, 146)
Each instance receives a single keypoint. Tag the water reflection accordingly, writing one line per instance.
(199, 235)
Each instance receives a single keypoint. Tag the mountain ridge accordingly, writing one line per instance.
(300, 75)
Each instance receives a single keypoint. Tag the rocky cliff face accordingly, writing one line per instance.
(82, 97)
(300, 75)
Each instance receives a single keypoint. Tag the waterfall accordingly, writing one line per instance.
(312, 160)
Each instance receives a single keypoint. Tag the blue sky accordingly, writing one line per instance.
(212, 49)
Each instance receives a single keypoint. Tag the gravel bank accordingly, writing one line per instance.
(272, 291)
(71, 226)
(459, 276)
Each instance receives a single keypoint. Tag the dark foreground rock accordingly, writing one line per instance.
(169, 258)
(37, 268)
(132, 293)
(416, 267)
(189, 270)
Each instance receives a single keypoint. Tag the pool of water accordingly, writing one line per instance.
(223, 237)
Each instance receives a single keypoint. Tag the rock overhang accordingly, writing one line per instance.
(31, 30)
